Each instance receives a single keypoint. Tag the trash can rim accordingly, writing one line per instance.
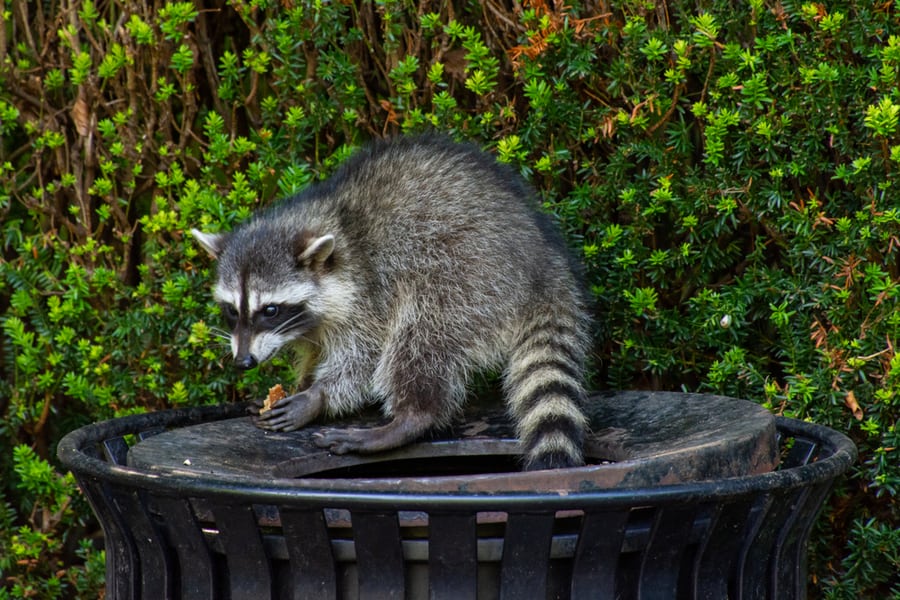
(837, 454)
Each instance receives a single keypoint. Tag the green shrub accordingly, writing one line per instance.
(34, 547)
(726, 170)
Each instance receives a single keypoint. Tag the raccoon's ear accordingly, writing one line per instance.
(213, 243)
(316, 251)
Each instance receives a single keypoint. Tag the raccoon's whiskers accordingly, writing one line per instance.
(310, 342)
(220, 333)
(288, 324)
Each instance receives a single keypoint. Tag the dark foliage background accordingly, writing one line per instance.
(727, 170)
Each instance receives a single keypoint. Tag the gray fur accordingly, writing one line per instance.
(418, 264)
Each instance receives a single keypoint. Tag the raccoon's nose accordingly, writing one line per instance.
(246, 362)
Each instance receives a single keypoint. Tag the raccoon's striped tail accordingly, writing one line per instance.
(544, 384)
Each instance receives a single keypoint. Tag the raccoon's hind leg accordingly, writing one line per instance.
(405, 427)
(421, 387)
(544, 386)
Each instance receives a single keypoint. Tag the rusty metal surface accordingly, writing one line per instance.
(639, 439)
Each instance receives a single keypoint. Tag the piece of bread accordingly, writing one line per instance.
(276, 393)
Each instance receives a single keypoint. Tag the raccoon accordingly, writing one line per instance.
(418, 264)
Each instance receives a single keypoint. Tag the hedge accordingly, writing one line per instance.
(726, 170)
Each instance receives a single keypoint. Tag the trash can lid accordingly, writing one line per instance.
(638, 439)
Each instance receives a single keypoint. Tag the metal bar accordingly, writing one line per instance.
(801, 453)
(122, 561)
(196, 580)
(795, 566)
(155, 560)
(660, 563)
(309, 551)
(526, 555)
(743, 569)
(379, 556)
(784, 562)
(249, 572)
(116, 450)
(718, 552)
(597, 554)
(757, 577)
(452, 556)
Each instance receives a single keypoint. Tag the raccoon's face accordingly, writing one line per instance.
(267, 290)
(261, 323)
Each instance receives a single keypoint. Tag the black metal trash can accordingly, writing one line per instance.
(185, 535)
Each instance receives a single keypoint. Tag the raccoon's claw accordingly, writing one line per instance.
(279, 421)
(342, 441)
(290, 413)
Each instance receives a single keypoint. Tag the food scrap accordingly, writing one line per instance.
(276, 393)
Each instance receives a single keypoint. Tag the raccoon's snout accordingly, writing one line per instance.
(248, 361)
(244, 357)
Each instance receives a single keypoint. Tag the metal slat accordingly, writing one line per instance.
(802, 451)
(744, 568)
(309, 551)
(452, 556)
(791, 570)
(757, 575)
(155, 560)
(122, 560)
(115, 450)
(526, 555)
(379, 556)
(195, 565)
(249, 572)
(786, 579)
(719, 550)
(597, 554)
(662, 557)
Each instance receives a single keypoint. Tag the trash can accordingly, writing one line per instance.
(683, 496)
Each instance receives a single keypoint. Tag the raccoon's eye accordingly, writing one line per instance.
(269, 311)
(230, 313)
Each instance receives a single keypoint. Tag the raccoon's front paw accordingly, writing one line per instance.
(291, 413)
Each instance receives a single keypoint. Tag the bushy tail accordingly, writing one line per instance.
(544, 383)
